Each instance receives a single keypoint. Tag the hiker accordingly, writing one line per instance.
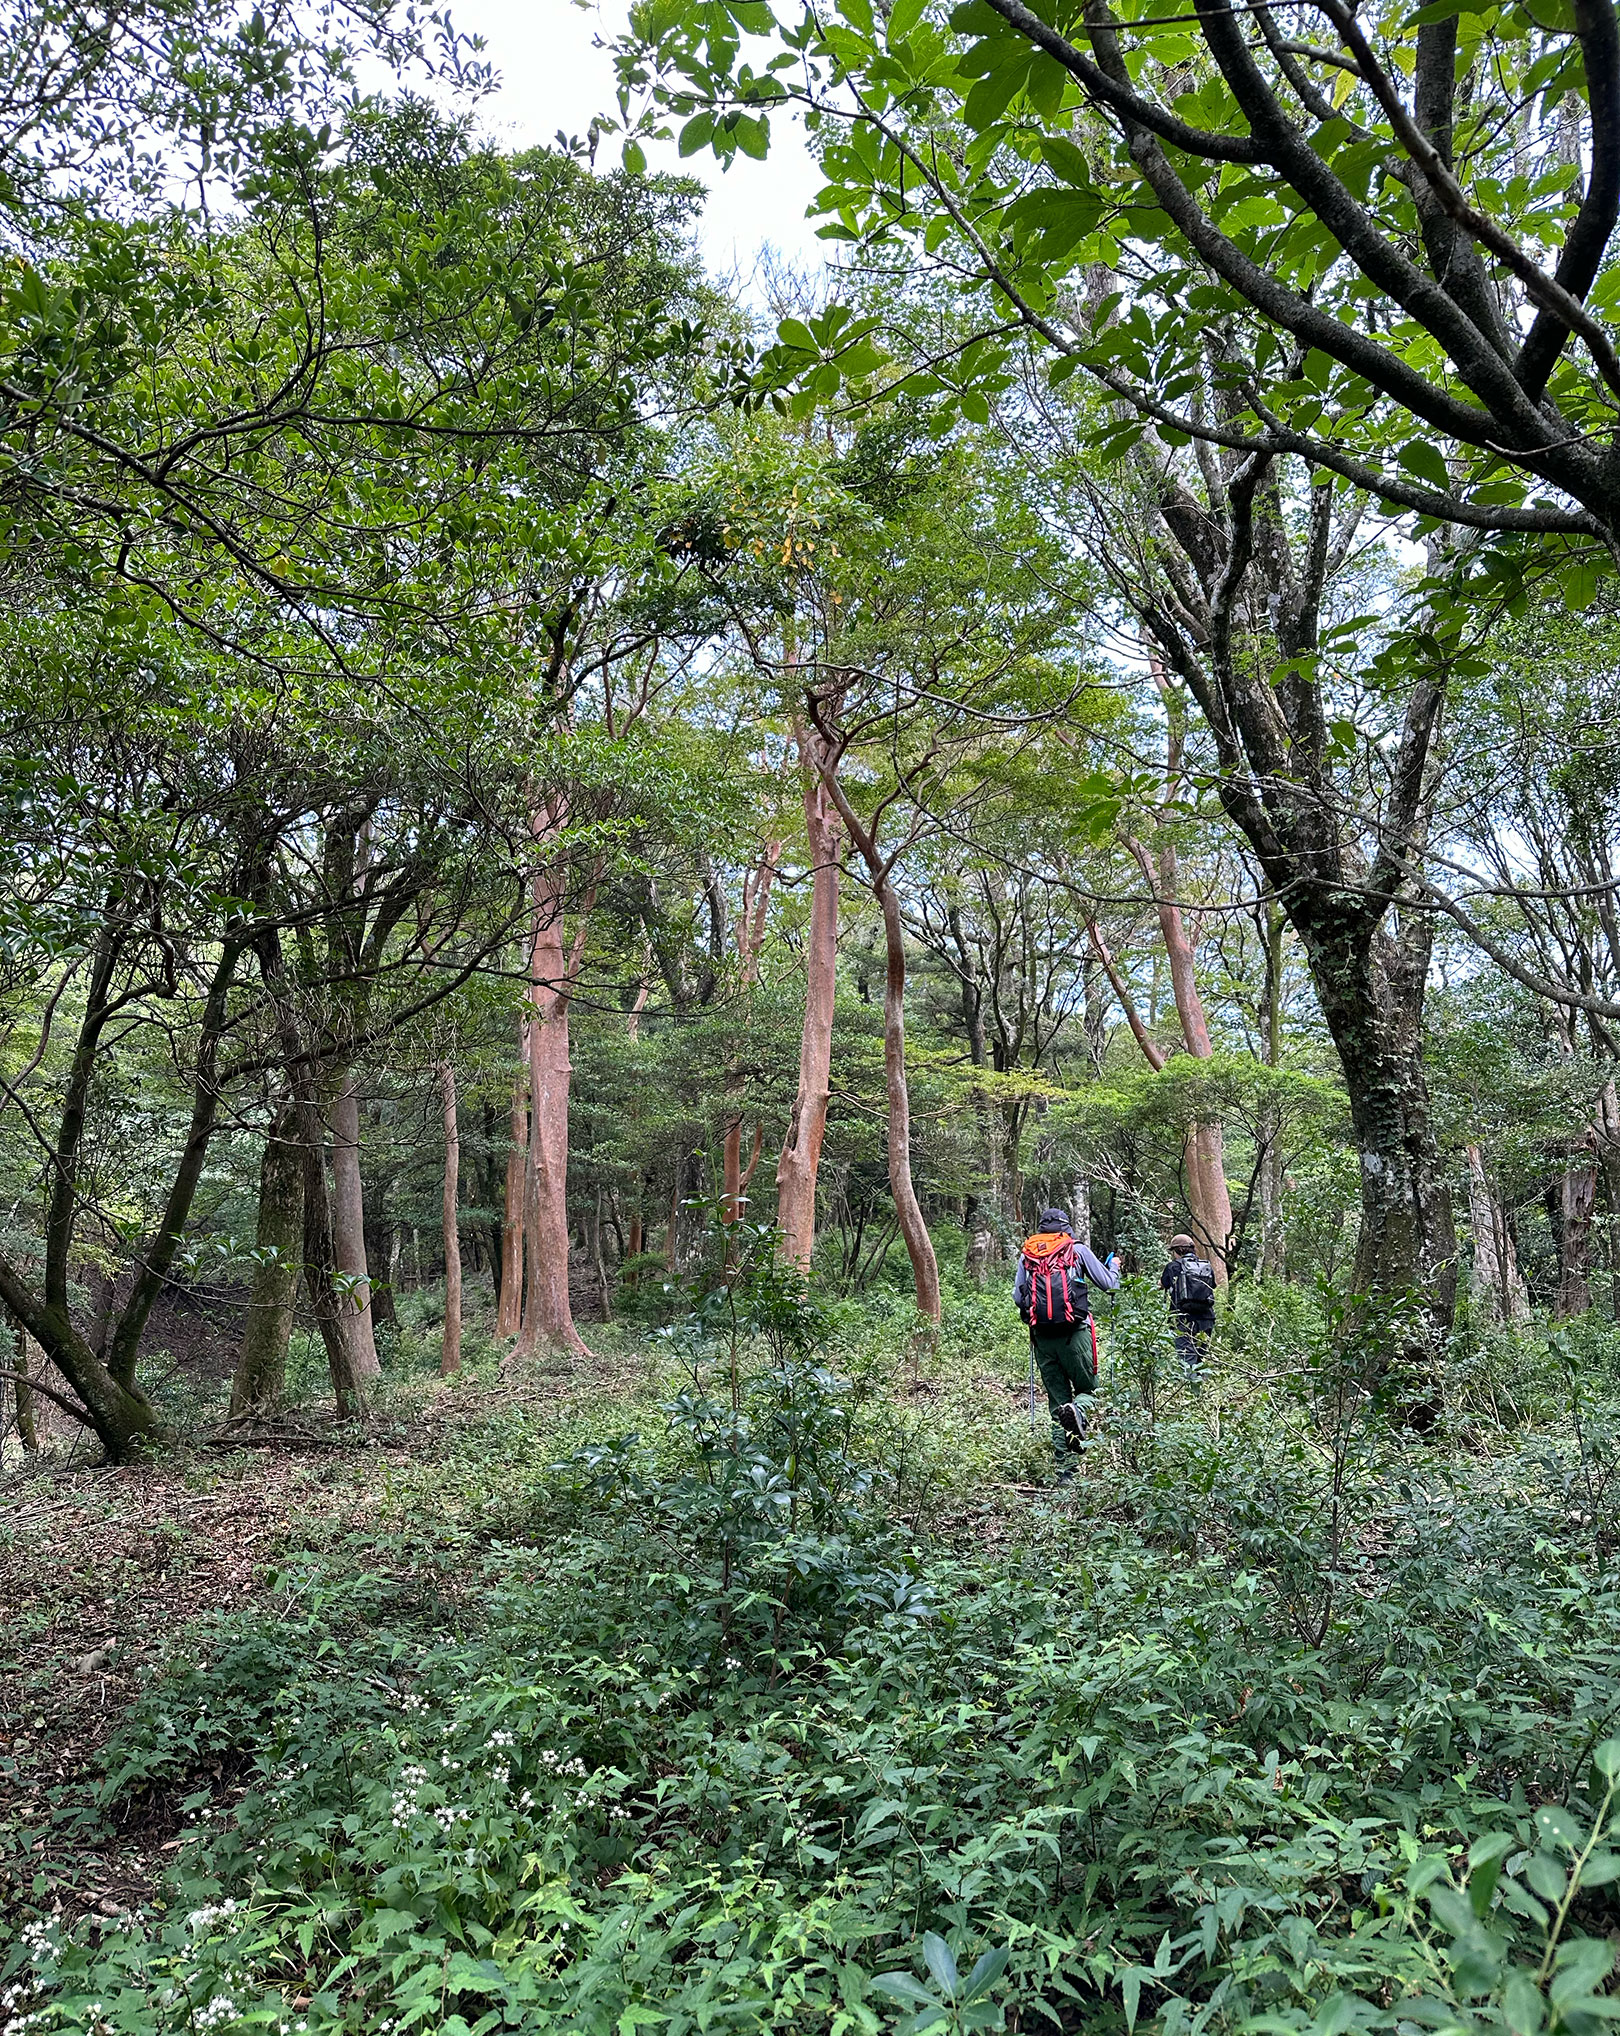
(1189, 1280)
(1050, 1290)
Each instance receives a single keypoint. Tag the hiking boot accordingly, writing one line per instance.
(1073, 1424)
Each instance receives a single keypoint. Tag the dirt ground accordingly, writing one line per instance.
(100, 1568)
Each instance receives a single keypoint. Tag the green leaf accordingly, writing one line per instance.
(1336, 2014)
(941, 1962)
(901, 1986)
(1485, 1858)
(1066, 160)
(1607, 1759)
(1546, 1876)
(1523, 2006)
(985, 1973)
(635, 158)
(904, 17)
(697, 133)
(1558, 1827)
(1426, 463)
(1582, 1966)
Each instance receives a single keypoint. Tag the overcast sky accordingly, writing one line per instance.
(553, 77)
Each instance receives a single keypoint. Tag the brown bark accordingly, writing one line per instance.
(800, 1162)
(450, 1360)
(908, 1210)
(1152, 1052)
(261, 1363)
(349, 1224)
(509, 1308)
(553, 971)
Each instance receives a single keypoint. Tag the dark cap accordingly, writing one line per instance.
(1054, 1219)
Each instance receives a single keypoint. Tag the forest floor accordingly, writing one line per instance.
(565, 1695)
(102, 1569)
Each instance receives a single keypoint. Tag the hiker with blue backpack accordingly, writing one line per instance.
(1051, 1294)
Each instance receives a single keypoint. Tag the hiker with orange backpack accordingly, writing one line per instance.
(1050, 1290)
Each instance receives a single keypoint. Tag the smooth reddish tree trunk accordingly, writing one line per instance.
(908, 1210)
(451, 1359)
(349, 1225)
(548, 1315)
(509, 1310)
(797, 1169)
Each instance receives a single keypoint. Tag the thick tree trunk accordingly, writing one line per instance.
(509, 1307)
(332, 1308)
(450, 1360)
(382, 1249)
(261, 1363)
(797, 1169)
(1577, 1200)
(349, 1224)
(1372, 993)
(547, 1312)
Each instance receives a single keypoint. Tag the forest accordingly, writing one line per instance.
(597, 854)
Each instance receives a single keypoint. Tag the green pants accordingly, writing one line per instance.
(1067, 1368)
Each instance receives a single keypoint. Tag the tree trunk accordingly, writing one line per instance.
(509, 1306)
(1273, 1243)
(349, 1224)
(1577, 1198)
(1371, 990)
(1208, 1197)
(751, 920)
(548, 1312)
(594, 1259)
(800, 1163)
(382, 1248)
(1080, 1210)
(919, 1245)
(1499, 1292)
(27, 1399)
(450, 1360)
(1607, 1129)
(261, 1363)
(331, 1307)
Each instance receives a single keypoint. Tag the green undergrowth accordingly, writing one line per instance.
(779, 1702)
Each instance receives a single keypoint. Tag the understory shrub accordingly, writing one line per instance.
(1270, 1721)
